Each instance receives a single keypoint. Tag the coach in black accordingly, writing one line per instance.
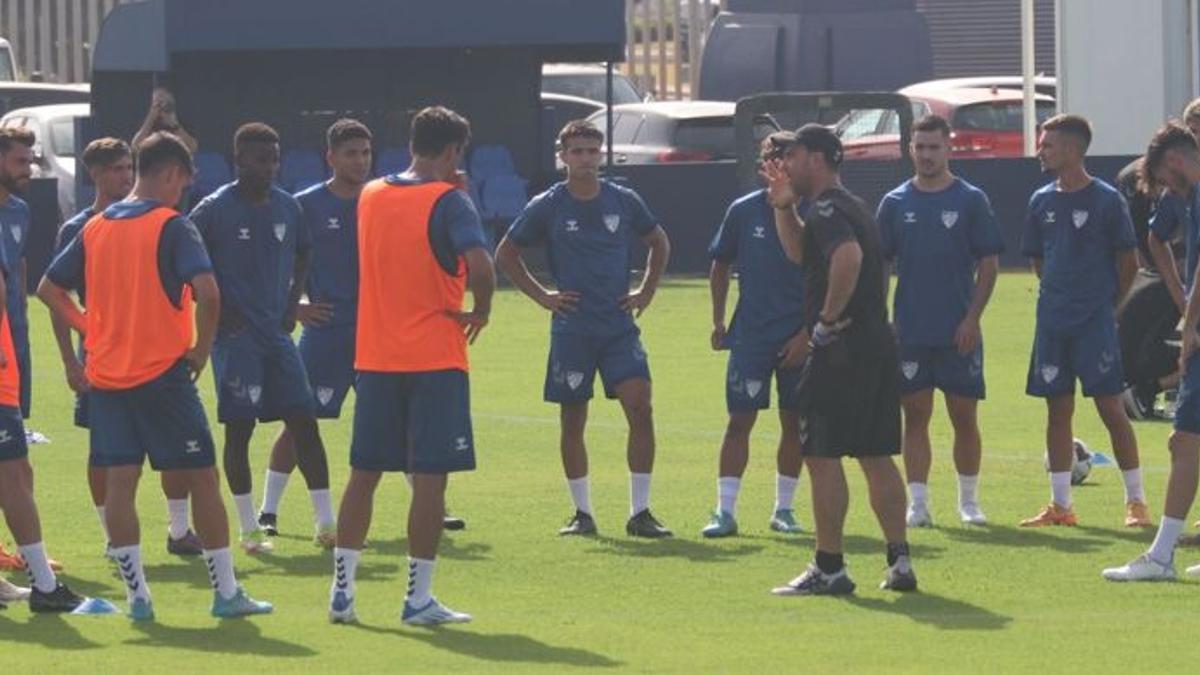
(849, 393)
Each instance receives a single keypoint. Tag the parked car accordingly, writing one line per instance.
(987, 122)
(54, 152)
(671, 131)
(15, 95)
(1042, 84)
(588, 81)
(8, 65)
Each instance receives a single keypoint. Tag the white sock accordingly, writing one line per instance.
(345, 565)
(968, 489)
(177, 513)
(246, 516)
(37, 566)
(1060, 488)
(581, 494)
(639, 493)
(785, 492)
(322, 508)
(420, 581)
(129, 564)
(220, 572)
(1163, 548)
(103, 522)
(1133, 486)
(727, 493)
(276, 483)
(918, 494)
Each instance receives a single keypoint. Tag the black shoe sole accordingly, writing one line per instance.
(454, 524)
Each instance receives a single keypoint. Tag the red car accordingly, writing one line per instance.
(987, 122)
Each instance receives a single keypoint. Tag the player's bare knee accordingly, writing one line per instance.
(740, 424)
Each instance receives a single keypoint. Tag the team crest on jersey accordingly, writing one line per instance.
(572, 225)
(612, 222)
(280, 231)
(909, 217)
(1079, 217)
(910, 368)
(1049, 373)
(949, 218)
(574, 379)
(324, 395)
(335, 224)
(760, 232)
(254, 392)
(16, 233)
(244, 233)
(753, 387)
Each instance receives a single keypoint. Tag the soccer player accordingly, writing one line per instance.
(940, 233)
(16, 474)
(849, 397)
(765, 339)
(14, 237)
(260, 251)
(1173, 161)
(588, 227)
(1080, 238)
(109, 162)
(146, 342)
(421, 246)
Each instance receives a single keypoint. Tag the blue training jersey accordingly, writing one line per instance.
(1172, 213)
(14, 223)
(332, 223)
(588, 246)
(936, 240)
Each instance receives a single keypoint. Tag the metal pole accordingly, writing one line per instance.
(1194, 44)
(608, 113)
(1027, 73)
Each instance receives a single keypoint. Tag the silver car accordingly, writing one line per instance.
(54, 153)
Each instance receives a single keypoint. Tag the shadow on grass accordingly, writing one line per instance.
(1021, 537)
(937, 611)
(194, 574)
(450, 548)
(233, 636)
(695, 551)
(48, 630)
(501, 648)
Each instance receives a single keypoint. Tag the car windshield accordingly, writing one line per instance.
(998, 116)
(591, 86)
(860, 123)
(62, 136)
(712, 135)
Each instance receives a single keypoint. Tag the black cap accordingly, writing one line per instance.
(818, 138)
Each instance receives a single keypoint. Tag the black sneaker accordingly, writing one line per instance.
(453, 523)
(188, 544)
(815, 582)
(580, 524)
(61, 599)
(643, 524)
(900, 577)
(266, 522)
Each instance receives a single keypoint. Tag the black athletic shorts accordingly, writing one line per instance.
(849, 396)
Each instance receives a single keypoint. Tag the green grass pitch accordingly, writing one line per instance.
(997, 599)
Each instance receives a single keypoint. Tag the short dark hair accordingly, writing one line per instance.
(579, 129)
(435, 128)
(345, 130)
(160, 149)
(253, 132)
(1173, 135)
(10, 136)
(932, 123)
(105, 152)
(1073, 125)
(820, 139)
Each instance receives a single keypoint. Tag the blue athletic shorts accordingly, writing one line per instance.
(162, 419)
(328, 355)
(20, 335)
(574, 360)
(942, 368)
(1089, 352)
(413, 422)
(12, 434)
(748, 381)
(257, 381)
(1187, 412)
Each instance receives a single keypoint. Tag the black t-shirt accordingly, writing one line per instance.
(1141, 206)
(837, 216)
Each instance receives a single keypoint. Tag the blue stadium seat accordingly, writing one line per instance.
(503, 196)
(299, 169)
(392, 160)
(212, 171)
(492, 160)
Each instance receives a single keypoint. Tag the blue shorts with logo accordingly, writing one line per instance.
(12, 434)
(259, 381)
(748, 380)
(328, 356)
(574, 360)
(162, 419)
(413, 422)
(1089, 352)
(942, 368)
(1187, 412)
